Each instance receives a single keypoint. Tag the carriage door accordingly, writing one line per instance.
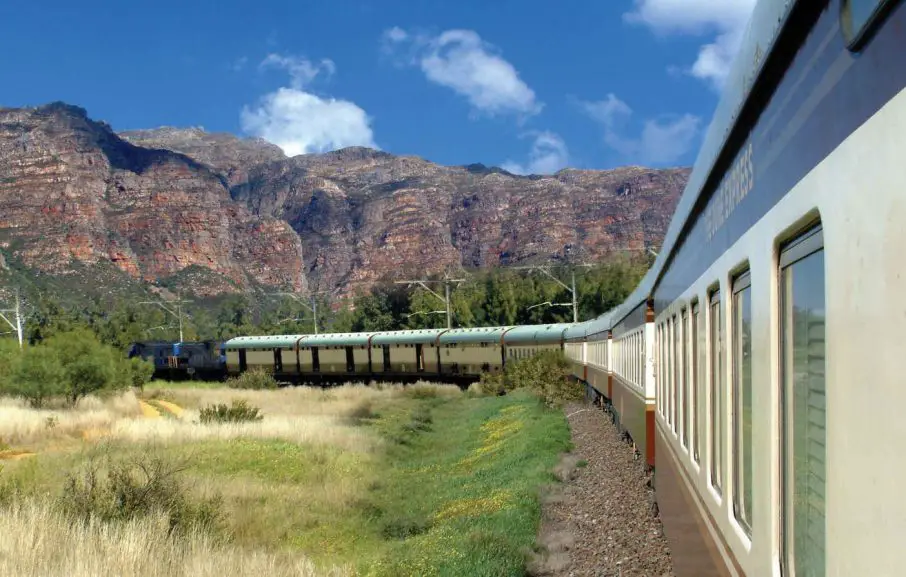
(278, 361)
(243, 365)
(315, 360)
(419, 358)
(350, 360)
(386, 358)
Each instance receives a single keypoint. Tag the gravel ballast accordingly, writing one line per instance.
(602, 520)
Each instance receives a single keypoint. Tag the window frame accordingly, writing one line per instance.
(741, 283)
(857, 39)
(676, 373)
(684, 376)
(695, 425)
(715, 391)
(808, 242)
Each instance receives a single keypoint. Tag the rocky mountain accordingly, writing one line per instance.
(71, 190)
(224, 153)
(222, 213)
(363, 214)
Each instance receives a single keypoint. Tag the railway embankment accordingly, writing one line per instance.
(601, 521)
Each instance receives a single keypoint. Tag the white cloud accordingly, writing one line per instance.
(663, 140)
(549, 154)
(301, 70)
(462, 61)
(724, 20)
(301, 122)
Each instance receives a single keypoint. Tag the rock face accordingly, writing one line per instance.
(71, 189)
(159, 202)
(224, 153)
(363, 214)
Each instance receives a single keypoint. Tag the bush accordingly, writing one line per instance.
(254, 379)
(139, 372)
(238, 412)
(36, 377)
(130, 489)
(71, 365)
(546, 374)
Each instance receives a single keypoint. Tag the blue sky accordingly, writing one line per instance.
(530, 85)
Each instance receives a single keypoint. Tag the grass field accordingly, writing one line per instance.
(421, 480)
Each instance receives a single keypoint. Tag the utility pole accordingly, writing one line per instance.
(572, 290)
(444, 299)
(17, 310)
(177, 304)
(312, 305)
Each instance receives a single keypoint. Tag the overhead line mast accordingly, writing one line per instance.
(176, 313)
(312, 305)
(17, 311)
(444, 299)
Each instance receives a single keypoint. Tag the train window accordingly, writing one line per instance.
(716, 396)
(742, 401)
(661, 368)
(859, 17)
(693, 388)
(684, 377)
(677, 375)
(803, 405)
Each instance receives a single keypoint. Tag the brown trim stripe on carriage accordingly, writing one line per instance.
(676, 510)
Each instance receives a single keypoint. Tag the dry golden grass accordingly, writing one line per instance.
(39, 542)
(338, 401)
(22, 425)
(304, 429)
(297, 414)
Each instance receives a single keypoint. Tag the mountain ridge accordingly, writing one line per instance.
(155, 202)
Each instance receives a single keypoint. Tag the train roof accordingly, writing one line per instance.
(536, 333)
(410, 337)
(576, 330)
(262, 342)
(769, 17)
(334, 339)
(474, 335)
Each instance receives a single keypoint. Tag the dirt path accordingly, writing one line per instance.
(601, 521)
(148, 410)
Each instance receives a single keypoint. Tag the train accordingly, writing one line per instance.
(756, 365)
(201, 360)
(459, 355)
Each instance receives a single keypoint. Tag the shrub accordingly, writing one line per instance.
(71, 365)
(253, 379)
(135, 488)
(36, 377)
(239, 412)
(546, 374)
(139, 372)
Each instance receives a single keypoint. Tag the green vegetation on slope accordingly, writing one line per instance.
(494, 298)
(425, 480)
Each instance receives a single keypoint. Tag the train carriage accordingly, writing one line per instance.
(405, 353)
(273, 354)
(778, 302)
(469, 352)
(525, 341)
(334, 354)
(598, 369)
(576, 349)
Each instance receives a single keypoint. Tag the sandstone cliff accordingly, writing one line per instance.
(364, 214)
(177, 202)
(72, 190)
